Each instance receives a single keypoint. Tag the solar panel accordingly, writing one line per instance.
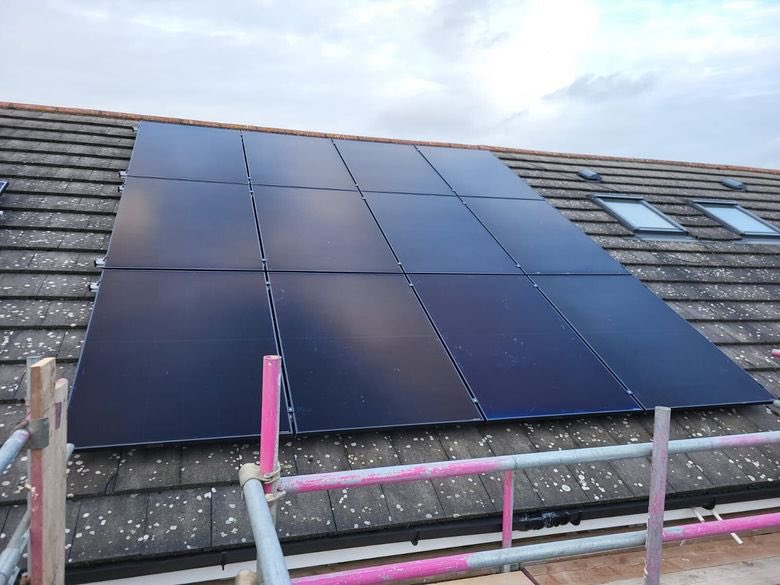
(437, 234)
(184, 224)
(295, 161)
(397, 168)
(477, 173)
(511, 312)
(361, 353)
(172, 356)
(654, 352)
(540, 238)
(176, 151)
(518, 356)
(317, 230)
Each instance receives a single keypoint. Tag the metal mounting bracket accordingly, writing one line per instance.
(39, 433)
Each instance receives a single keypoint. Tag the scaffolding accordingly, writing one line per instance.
(263, 486)
(43, 434)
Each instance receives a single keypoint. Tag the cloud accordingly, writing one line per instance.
(698, 80)
(603, 87)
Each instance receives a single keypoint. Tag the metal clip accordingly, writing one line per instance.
(274, 496)
(271, 477)
(100, 262)
(94, 286)
(39, 433)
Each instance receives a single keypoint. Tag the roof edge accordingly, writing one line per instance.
(251, 127)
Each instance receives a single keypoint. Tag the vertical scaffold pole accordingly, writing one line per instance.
(508, 512)
(269, 426)
(655, 510)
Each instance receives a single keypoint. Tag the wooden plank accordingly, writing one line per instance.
(758, 572)
(47, 399)
(619, 565)
(513, 578)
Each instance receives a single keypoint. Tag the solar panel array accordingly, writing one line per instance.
(402, 285)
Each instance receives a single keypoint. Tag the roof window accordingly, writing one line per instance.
(739, 220)
(639, 216)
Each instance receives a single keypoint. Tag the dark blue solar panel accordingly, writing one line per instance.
(172, 356)
(477, 173)
(176, 151)
(361, 353)
(518, 356)
(654, 352)
(311, 229)
(540, 239)
(295, 161)
(399, 168)
(184, 224)
(437, 234)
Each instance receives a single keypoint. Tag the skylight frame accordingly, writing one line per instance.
(772, 233)
(675, 230)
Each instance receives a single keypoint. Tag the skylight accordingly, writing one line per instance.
(737, 219)
(639, 216)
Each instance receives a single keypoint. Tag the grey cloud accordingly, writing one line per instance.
(264, 63)
(604, 87)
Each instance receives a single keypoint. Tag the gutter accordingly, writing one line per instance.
(402, 540)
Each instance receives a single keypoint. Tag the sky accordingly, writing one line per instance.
(696, 81)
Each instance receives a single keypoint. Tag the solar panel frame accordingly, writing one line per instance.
(331, 325)
(430, 233)
(390, 168)
(508, 342)
(188, 152)
(656, 353)
(477, 173)
(153, 337)
(289, 160)
(320, 230)
(540, 239)
(190, 225)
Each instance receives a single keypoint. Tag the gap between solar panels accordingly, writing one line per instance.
(403, 286)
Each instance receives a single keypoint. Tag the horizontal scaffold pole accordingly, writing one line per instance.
(533, 552)
(416, 472)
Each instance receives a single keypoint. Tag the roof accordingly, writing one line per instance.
(183, 502)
